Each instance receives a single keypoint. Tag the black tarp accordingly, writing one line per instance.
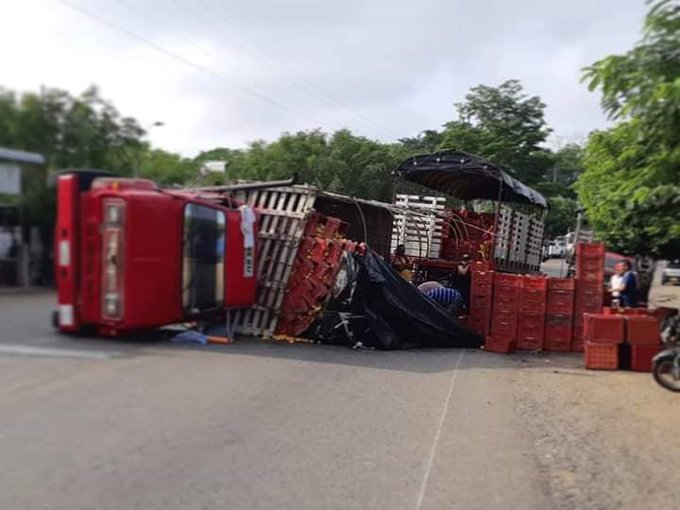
(467, 177)
(386, 312)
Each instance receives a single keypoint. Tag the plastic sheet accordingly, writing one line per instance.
(386, 312)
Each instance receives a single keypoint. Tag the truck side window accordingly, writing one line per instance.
(203, 259)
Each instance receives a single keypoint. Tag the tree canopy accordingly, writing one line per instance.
(631, 183)
(500, 123)
(504, 125)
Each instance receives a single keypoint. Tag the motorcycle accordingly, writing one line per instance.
(666, 364)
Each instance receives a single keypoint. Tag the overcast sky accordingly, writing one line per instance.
(225, 72)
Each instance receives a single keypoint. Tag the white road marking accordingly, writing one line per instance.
(30, 350)
(438, 434)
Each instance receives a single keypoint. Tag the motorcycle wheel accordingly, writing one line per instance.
(663, 374)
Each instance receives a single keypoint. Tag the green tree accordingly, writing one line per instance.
(631, 184)
(567, 164)
(504, 125)
(561, 216)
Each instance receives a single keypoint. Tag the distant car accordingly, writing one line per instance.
(671, 274)
(557, 248)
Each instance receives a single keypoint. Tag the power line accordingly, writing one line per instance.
(301, 81)
(186, 61)
(186, 39)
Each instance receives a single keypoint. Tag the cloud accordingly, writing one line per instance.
(225, 73)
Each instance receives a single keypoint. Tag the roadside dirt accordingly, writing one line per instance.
(600, 436)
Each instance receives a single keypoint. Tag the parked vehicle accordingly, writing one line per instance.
(666, 364)
(671, 273)
(557, 248)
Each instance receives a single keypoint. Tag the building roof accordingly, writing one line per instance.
(16, 156)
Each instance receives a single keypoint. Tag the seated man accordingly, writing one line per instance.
(448, 298)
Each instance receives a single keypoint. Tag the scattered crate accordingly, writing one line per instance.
(641, 357)
(641, 330)
(601, 356)
(604, 329)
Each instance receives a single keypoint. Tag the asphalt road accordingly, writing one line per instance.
(98, 424)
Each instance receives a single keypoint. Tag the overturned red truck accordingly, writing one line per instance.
(132, 256)
(268, 257)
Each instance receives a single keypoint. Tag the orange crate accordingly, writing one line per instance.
(561, 284)
(499, 344)
(604, 329)
(642, 330)
(601, 356)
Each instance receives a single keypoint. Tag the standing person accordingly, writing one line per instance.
(463, 279)
(615, 284)
(401, 263)
(628, 288)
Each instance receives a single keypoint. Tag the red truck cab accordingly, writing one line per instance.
(131, 256)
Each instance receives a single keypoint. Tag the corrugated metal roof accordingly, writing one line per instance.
(467, 177)
(16, 156)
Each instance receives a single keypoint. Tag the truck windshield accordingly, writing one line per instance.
(203, 259)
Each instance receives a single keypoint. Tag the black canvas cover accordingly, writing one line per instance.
(467, 177)
(387, 312)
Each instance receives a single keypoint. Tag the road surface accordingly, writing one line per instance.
(98, 424)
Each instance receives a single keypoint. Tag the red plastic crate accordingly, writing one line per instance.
(641, 357)
(561, 284)
(507, 292)
(556, 344)
(507, 280)
(531, 331)
(481, 289)
(480, 305)
(499, 344)
(577, 344)
(482, 277)
(601, 356)
(560, 302)
(589, 298)
(590, 249)
(532, 301)
(590, 275)
(504, 327)
(642, 311)
(604, 329)
(641, 330)
(535, 283)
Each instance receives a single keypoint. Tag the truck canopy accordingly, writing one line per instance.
(467, 177)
